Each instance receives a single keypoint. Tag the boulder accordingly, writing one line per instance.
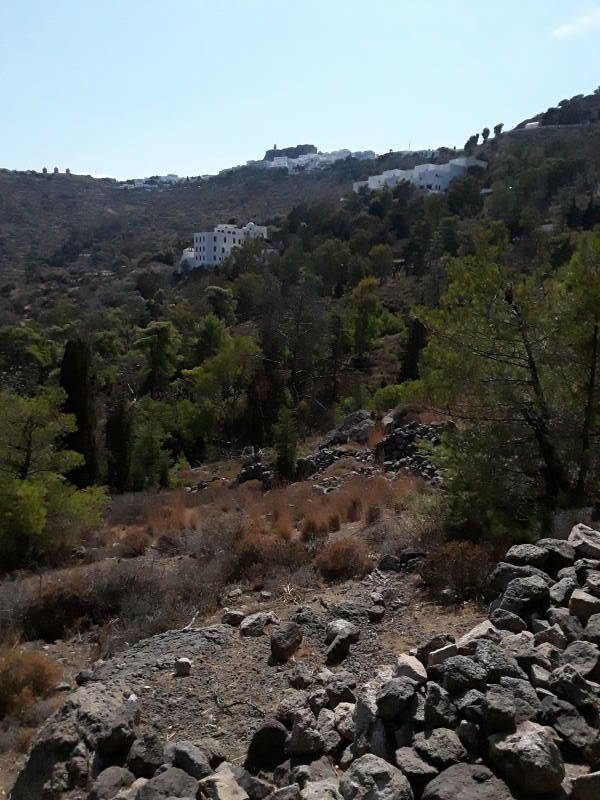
(527, 702)
(496, 662)
(528, 759)
(578, 738)
(344, 720)
(467, 782)
(285, 641)
(146, 755)
(467, 644)
(440, 747)
(301, 676)
(507, 621)
(182, 667)
(372, 778)
(566, 682)
(460, 673)
(503, 573)
(292, 700)
(584, 657)
(340, 688)
(562, 590)
(255, 624)
(189, 758)
(267, 747)
(440, 711)
(586, 541)
(592, 629)
(435, 643)
(394, 696)
(321, 790)
(418, 771)
(524, 594)
(569, 625)
(592, 583)
(376, 613)
(341, 627)
(586, 787)
(329, 733)
(256, 788)
(527, 555)
(109, 782)
(222, 785)
(441, 654)
(304, 739)
(173, 782)
(551, 635)
(471, 706)
(410, 667)
(233, 617)
(500, 709)
(561, 554)
(583, 605)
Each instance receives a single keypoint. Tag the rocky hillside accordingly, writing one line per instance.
(509, 709)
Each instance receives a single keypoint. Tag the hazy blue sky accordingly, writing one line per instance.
(138, 87)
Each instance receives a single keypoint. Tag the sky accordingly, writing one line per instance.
(130, 88)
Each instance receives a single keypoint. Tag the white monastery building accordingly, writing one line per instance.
(212, 247)
(432, 177)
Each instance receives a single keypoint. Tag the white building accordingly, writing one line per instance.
(432, 177)
(212, 247)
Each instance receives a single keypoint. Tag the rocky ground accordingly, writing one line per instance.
(508, 711)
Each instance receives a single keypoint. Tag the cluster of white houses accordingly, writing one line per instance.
(432, 177)
(212, 247)
(308, 161)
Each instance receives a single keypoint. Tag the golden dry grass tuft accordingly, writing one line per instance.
(343, 558)
(25, 676)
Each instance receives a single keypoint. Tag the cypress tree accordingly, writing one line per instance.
(78, 379)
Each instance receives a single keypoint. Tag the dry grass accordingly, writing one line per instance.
(343, 558)
(376, 434)
(25, 676)
(463, 567)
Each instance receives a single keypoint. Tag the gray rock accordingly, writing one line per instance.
(255, 788)
(321, 790)
(507, 621)
(410, 667)
(418, 771)
(173, 782)
(221, 785)
(467, 782)
(529, 760)
(503, 573)
(578, 738)
(471, 736)
(441, 654)
(233, 617)
(344, 720)
(301, 676)
(435, 643)
(376, 613)
(341, 627)
(338, 649)
(394, 696)
(372, 778)
(329, 733)
(285, 793)
(292, 700)
(584, 657)
(471, 706)
(304, 739)
(145, 755)
(467, 644)
(586, 787)
(189, 758)
(586, 541)
(440, 747)
(562, 590)
(500, 709)
(527, 702)
(460, 673)
(569, 625)
(592, 583)
(109, 782)
(552, 635)
(496, 662)
(285, 641)
(340, 688)
(255, 624)
(527, 555)
(583, 605)
(523, 594)
(440, 711)
(561, 554)
(182, 667)
(584, 566)
(592, 629)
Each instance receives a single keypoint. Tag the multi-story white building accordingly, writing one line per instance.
(212, 247)
(432, 177)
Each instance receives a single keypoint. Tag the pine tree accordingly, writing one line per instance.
(78, 379)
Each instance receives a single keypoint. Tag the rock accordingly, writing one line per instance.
(304, 739)
(222, 785)
(467, 644)
(255, 788)
(145, 755)
(584, 566)
(540, 676)
(592, 583)
(592, 629)
(109, 782)
(213, 750)
(329, 733)
(341, 627)
(523, 594)
(370, 734)
(285, 641)
(353, 428)
(291, 701)
(562, 590)
(552, 635)
(183, 667)
(586, 541)
(372, 778)
(528, 759)
(527, 702)
(115, 738)
(410, 667)
(496, 662)
(561, 554)
(441, 747)
(340, 688)
(460, 673)
(441, 654)
(435, 643)
(267, 747)
(233, 617)
(337, 650)
(234, 593)
(301, 676)
(376, 613)
(418, 771)
(586, 787)
(567, 683)
(189, 758)
(471, 706)
(394, 696)
(285, 793)
(507, 621)
(569, 625)
(503, 573)
(470, 736)
(255, 624)
(527, 555)
(440, 711)
(344, 720)
(321, 790)
(578, 737)
(500, 709)
(390, 563)
(173, 782)
(584, 605)
(467, 782)
(317, 699)
(584, 657)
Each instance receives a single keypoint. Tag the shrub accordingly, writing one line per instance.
(25, 675)
(461, 566)
(135, 542)
(342, 559)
